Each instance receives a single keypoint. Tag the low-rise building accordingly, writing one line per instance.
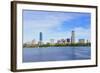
(81, 41)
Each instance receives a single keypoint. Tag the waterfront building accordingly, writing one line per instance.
(68, 40)
(73, 37)
(28, 43)
(58, 41)
(52, 41)
(63, 41)
(33, 42)
(40, 38)
(87, 41)
(81, 41)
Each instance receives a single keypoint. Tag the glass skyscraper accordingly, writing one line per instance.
(40, 38)
(73, 37)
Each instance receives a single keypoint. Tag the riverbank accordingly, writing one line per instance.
(59, 45)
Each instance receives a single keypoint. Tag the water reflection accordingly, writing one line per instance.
(56, 54)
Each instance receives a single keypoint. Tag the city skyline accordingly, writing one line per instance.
(71, 40)
(55, 25)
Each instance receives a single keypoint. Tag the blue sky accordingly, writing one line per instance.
(55, 25)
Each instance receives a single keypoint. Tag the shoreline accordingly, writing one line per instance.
(57, 47)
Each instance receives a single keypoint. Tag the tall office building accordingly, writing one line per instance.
(40, 38)
(73, 37)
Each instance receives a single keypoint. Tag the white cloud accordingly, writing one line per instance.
(45, 22)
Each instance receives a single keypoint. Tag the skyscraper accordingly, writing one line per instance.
(40, 36)
(73, 37)
(40, 39)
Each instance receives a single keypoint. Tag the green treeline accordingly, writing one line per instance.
(57, 45)
(63, 45)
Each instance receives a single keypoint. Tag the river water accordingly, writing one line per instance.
(56, 54)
